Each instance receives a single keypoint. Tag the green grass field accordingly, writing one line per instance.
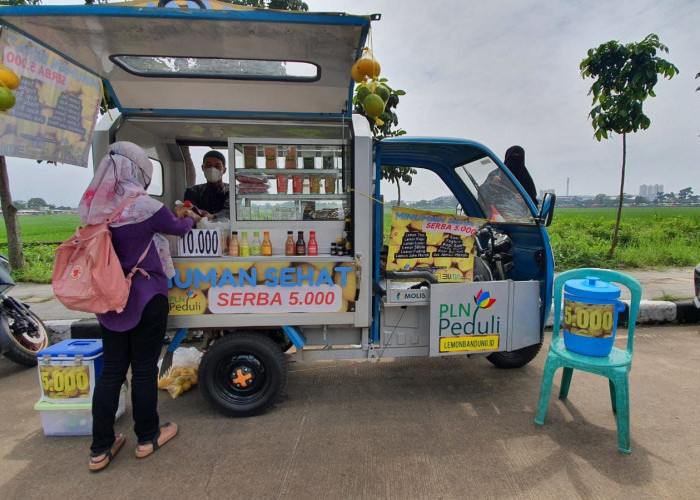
(44, 228)
(650, 237)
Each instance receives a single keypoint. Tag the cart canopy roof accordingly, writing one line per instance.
(172, 61)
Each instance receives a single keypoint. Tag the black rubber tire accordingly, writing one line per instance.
(243, 354)
(515, 359)
(13, 348)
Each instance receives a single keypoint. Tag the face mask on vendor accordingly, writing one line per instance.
(212, 174)
(213, 168)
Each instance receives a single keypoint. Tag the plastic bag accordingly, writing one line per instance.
(222, 224)
(183, 373)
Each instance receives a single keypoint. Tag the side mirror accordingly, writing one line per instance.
(547, 210)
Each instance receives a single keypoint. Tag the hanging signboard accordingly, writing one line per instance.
(56, 104)
(442, 244)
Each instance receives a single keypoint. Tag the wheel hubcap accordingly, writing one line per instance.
(242, 379)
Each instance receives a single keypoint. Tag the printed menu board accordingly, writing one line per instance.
(442, 244)
(56, 104)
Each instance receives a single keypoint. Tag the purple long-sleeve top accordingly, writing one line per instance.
(129, 242)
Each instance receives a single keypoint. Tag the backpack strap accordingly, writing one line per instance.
(145, 252)
(136, 266)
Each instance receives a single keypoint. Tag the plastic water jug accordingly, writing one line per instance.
(590, 315)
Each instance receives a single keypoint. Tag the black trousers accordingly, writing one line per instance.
(139, 348)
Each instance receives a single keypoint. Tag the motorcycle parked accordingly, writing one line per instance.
(22, 333)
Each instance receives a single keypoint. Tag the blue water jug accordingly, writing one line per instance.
(590, 315)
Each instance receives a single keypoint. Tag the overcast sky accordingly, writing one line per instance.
(505, 73)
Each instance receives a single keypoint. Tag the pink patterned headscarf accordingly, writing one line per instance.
(124, 172)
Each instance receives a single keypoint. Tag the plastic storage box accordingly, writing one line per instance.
(69, 370)
(71, 419)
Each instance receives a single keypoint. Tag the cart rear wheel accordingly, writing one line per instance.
(515, 359)
(243, 374)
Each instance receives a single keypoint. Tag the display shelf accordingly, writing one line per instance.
(293, 197)
(326, 257)
(272, 172)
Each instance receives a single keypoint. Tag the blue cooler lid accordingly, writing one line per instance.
(592, 287)
(74, 347)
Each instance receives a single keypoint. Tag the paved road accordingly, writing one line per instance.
(408, 428)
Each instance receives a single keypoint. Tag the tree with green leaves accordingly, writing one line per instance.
(624, 77)
(384, 127)
(35, 203)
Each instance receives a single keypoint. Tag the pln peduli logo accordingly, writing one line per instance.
(483, 300)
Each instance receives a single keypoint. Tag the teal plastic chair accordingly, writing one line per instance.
(615, 367)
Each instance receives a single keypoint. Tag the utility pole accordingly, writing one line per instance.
(567, 186)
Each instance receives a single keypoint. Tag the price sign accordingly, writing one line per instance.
(200, 243)
(63, 382)
(590, 320)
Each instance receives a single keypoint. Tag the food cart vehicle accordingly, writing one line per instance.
(273, 90)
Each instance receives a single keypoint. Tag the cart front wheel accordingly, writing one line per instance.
(515, 359)
(243, 374)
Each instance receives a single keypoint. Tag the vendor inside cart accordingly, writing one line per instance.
(212, 197)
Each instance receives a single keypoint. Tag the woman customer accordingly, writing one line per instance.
(134, 337)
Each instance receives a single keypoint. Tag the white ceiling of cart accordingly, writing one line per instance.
(90, 40)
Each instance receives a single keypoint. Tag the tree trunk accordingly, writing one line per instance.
(9, 212)
(619, 204)
(398, 189)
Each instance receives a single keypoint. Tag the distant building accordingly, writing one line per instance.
(651, 191)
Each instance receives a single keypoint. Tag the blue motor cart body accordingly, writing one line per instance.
(272, 90)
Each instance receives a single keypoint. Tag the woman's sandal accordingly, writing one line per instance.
(155, 443)
(98, 465)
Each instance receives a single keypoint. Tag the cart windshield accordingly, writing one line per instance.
(498, 198)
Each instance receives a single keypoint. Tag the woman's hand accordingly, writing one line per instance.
(181, 211)
(190, 213)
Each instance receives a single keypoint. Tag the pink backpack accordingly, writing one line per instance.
(87, 275)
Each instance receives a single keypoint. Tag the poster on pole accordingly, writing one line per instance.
(56, 104)
(442, 244)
